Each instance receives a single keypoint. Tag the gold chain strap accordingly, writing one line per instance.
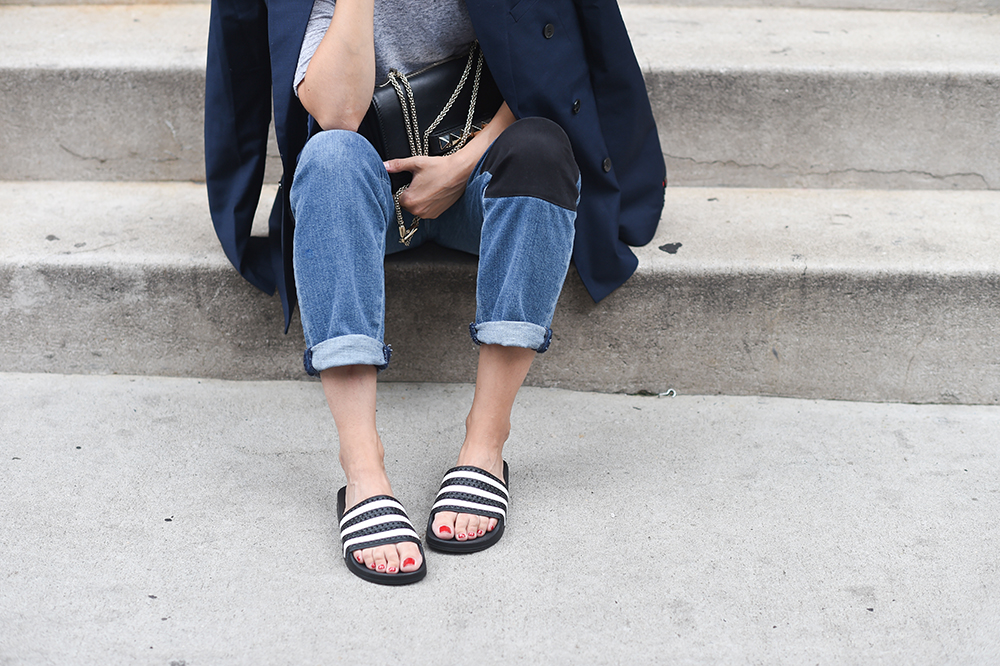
(421, 145)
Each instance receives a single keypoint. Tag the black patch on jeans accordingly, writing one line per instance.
(533, 158)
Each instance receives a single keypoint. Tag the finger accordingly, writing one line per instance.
(414, 205)
(402, 164)
(393, 166)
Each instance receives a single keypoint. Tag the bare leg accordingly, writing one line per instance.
(350, 393)
(501, 372)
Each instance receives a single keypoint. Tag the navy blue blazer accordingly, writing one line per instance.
(567, 60)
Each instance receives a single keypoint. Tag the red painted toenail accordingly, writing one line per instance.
(359, 558)
(380, 567)
(480, 533)
(409, 562)
(444, 529)
(392, 569)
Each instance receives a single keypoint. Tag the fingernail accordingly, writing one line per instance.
(444, 529)
(409, 562)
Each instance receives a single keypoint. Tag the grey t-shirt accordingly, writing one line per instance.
(409, 34)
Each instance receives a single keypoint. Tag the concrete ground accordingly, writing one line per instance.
(150, 520)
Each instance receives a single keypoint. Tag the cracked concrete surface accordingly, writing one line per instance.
(688, 171)
(787, 129)
(102, 125)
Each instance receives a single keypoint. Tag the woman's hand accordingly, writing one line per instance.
(438, 182)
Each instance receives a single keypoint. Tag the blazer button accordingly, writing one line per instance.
(576, 106)
(549, 30)
(606, 164)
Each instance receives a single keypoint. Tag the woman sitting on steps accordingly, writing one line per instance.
(569, 166)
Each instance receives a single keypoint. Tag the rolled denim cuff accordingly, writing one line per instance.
(346, 350)
(512, 334)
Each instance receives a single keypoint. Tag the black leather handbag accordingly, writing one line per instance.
(434, 111)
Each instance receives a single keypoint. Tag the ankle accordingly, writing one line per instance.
(362, 484)
(486, 433)
(361, 454)
(363, 471)
(482, 456)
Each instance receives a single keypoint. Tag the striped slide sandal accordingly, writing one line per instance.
(472, 490)
(377, 521)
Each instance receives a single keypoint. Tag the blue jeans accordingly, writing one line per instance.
(517, 214)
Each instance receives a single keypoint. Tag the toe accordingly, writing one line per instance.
(380, 559)
(368, 555)
(409, 556)
(392, 560)
(444, 525)
(491, 525)
(461, 526)
(472, 528)
(483, 526)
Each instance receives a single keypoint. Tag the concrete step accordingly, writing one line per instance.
(152, 520)
(762, 96)
(102, 92)
(843, 294)
(757, 97)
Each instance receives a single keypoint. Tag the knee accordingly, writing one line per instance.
(341, 164)
(533, 157)
(338, 156)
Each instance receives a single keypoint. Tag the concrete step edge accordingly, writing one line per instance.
(86, 223)
(667, 38)
(820, 294)
(738, 102)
